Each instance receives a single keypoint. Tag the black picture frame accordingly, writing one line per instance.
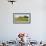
(15, 15)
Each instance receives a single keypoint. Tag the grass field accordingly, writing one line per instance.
(21, 19)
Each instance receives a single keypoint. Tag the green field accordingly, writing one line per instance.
(24, 18)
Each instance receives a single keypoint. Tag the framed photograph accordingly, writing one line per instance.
(21, 18)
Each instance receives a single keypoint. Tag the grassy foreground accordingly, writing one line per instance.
(24, 18)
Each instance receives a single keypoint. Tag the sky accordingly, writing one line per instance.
(20, 15)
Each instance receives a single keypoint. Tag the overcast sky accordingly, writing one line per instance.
(20, 15)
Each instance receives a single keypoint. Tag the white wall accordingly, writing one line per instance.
(37, 28)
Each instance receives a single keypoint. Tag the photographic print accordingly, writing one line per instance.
(21, 18)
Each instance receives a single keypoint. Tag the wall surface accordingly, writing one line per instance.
(37, 28)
